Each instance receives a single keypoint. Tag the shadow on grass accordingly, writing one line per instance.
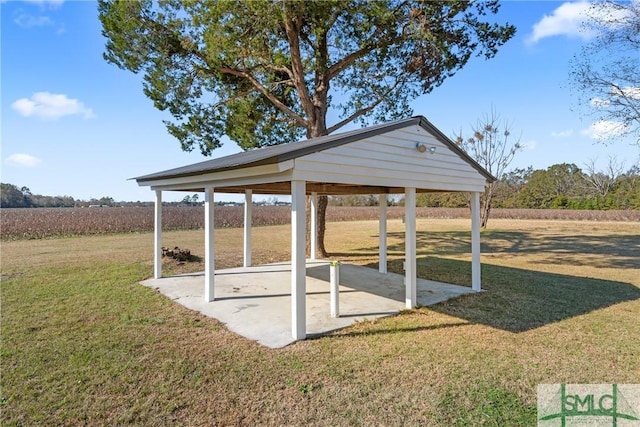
(606, 251)
(349, 332)
(518, 300)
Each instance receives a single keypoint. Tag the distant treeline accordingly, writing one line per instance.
(13, 196)
(561, 186)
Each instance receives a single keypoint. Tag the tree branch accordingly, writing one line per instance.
(273, 99)
(336, 68)
(293, 31)
(362, 111)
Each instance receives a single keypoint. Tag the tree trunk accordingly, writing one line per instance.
(486, 205)
(319, 128)
(323, 201)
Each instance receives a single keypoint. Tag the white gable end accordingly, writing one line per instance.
(392, 160)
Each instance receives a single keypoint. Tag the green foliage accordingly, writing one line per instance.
(509, 186)
(265, 73)
(565, 186)
(438, 200)
(52, 201)
(354, 200)
(191, 200)
(552, 188)
(626, 194)
(561, 186)
(14, 197)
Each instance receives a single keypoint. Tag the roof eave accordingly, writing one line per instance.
(165, 175)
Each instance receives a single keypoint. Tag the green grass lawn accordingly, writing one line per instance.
(83, 343)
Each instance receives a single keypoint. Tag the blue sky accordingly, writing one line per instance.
(74, 125)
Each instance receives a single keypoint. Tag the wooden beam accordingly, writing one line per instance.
(334, 189)
(283, 188)
(319, 188)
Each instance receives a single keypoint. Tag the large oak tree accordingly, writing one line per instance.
(271, 72)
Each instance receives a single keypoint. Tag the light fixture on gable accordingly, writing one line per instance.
(423, 148)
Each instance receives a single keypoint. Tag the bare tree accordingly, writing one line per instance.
(602, 181)
(493, 148)
(606, 73)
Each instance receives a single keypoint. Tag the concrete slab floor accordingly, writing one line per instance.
(255, 302)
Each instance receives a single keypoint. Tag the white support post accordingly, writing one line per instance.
(334, 287)
(298, 260)
(157, 237)
(475, 242)
(382, 258)
(314, 225)
(410, 273)
(209, 248)
(248, 208)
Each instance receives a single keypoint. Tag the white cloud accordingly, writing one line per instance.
(45, 105)
(565, 20)
(610, 15)
(23, 160)
(530, 145)
(603, 129)
(52, 3)
(628, 92)
(562, 134)
(26, 20)
(579, 19)
(599, 102)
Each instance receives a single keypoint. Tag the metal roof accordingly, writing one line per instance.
(284, 152)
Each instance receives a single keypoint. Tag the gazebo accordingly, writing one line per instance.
(407, 156)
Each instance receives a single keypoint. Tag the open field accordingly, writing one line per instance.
(83, 343)
(38, 223)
